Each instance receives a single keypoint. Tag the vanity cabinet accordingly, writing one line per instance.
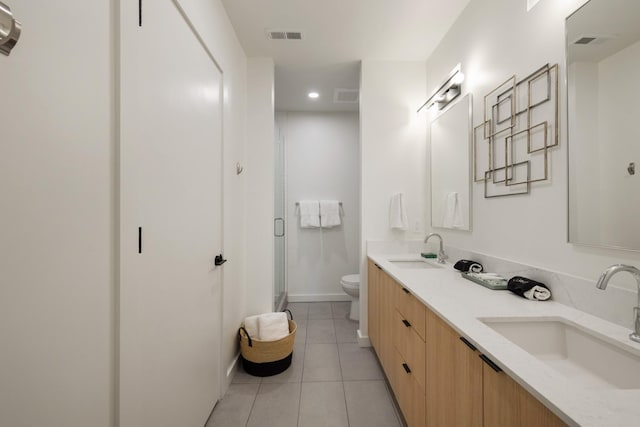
(438, 377)
(395, 317)
(374, 274)
(454, 377)
(508, 404)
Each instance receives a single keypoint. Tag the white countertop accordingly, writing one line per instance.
(461, 303)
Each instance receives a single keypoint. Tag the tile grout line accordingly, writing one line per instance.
(344, 392)
(246, 423)
(306, 322)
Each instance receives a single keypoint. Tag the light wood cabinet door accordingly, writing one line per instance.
(453, 376)
(411, 308)
(410, 346)
(507, 404)
(409, 393)
(373, 304)
(387, 310)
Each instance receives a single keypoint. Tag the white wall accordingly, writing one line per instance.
(57, 227)
(393, 154)
(260, 170)
(494, 39)
(58, 292)
(323, 162)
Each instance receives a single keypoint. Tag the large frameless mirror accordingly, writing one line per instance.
(603, 62)
(451, 134)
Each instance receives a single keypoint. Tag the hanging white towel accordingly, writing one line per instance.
(329, 213)
(452, 212)
(398, 213)
(273, 326)
(309, 213)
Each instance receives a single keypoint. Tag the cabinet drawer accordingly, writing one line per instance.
(410, 346)
(411, 308)
(409, 393)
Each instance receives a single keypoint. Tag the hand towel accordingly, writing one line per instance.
(251, 326)
(529, 289)
(329, 213)
(273, 326)
(467, 265)
(309, 214)
(398, 213)
(452, 212)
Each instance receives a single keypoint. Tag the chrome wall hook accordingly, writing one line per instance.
(10, 30)
(239, 168)
(631, 168)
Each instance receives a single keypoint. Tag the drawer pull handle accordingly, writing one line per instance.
(406, 323)
(490, 363)
(406, 291)
(406, 368)
(466, 341)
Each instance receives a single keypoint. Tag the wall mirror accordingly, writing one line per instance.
(451, 134)
(603, 62)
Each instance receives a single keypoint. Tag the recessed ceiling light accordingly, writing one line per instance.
(313, 95)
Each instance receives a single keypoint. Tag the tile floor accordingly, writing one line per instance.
(331, 382)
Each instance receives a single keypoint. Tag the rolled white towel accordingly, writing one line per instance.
(273, 326)
(251, 326)
(538, 293)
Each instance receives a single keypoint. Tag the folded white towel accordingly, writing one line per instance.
(538, 293)
(309, 214)
(251, 325)
(452, 212)
(273, 326)
(398, 213)
(329, 213)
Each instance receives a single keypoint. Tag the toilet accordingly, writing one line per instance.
(351, 285)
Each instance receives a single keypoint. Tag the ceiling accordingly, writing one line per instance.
(336, 35)
(612, 24)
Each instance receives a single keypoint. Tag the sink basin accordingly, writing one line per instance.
(414, 263)
(581, 355)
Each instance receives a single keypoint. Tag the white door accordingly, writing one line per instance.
(170, 220)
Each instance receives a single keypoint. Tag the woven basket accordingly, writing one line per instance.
(266, 358)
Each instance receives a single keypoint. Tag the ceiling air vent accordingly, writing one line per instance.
(592, 39)
(284, 35)
(584, 40)
(346, 96)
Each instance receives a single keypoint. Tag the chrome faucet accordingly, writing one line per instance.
(441, 254)
(603, 281)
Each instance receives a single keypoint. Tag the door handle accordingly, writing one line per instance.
(275, 232)
(219, 260)
(406, 322)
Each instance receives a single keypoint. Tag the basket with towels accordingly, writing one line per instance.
(266, 343)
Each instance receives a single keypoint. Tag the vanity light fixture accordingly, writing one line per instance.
(9, 30)
(313, 95)
(447, 92)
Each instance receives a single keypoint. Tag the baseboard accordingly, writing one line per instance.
(318, 297)
(233, 366)
(363, 340)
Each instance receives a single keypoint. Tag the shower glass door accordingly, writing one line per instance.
(279, 225)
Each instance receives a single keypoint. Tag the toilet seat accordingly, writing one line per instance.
(351, 280)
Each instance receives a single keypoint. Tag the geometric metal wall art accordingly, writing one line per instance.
(511, 146)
